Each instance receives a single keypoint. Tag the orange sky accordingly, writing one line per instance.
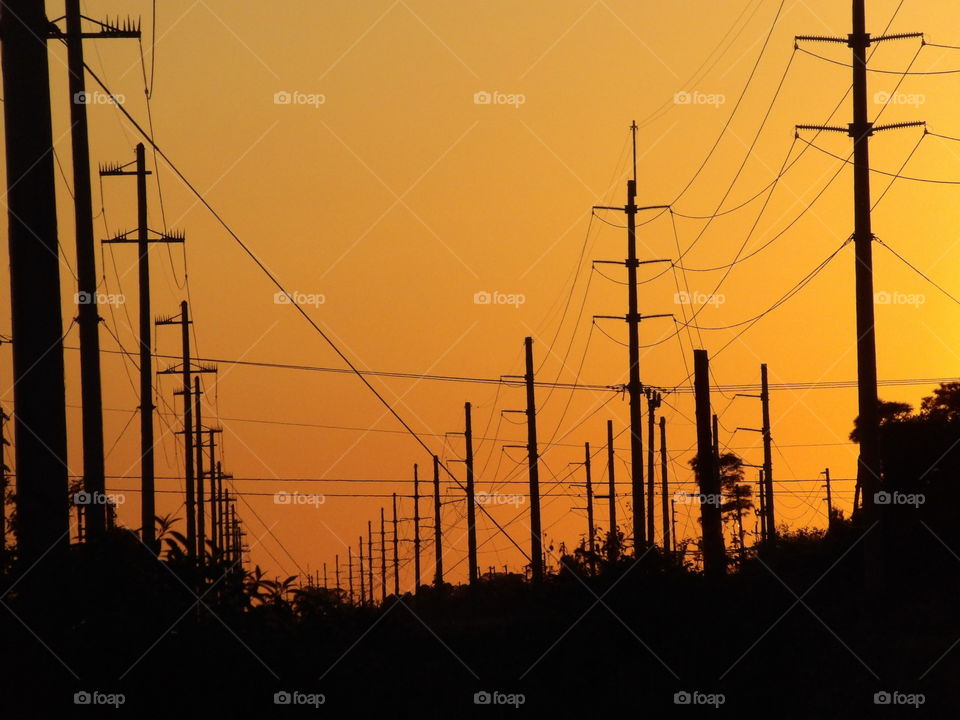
(398, 197)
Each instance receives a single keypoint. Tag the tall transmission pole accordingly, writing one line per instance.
(633, 318)
(471, 498)
(437, 533)
(664, 491)
(143, 241)
(860, 130)
(40, 426)
(533, 462)
(396, 551)
(88, 320)
(714, 560)
(416, 530)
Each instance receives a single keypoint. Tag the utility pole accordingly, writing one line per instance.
(3, 490)
(201, 521)
(664, 491)
(324, 576)
(370, 559)
(40, 426)
(591, 541)
(860, 130)
(383, 559)
(673, 523)
(437, 535)
(613, 540)
(653, 402)
(826, 474)
(213, 465)
(416, 530)
(763, 506)
(533, 457)
(471, 499)
(634, 386)
(363, 592)
(336, 571)
(143, 240)
(350, 571)
(714, 560)
(767, 454)
(396, 551)
(88, 319)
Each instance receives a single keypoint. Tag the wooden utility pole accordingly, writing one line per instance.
(363, 592)
(763, 505)
(3, 489)
(40, 427)
(143, 241)
(336, 570)
(437, 534)
(653, 402)
(88, 320)
(591, 540)
(613, 539)
(324, 576)
(198, 434)
(350, 571)
(767, 453)
(664, 490)
(213, 465)
(370, 560)
(826, 474)
(714, 558)
(396, 551)
(533, 457)
(471, 498)
(383, 559)
(416, 530)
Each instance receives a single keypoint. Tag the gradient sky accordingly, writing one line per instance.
(399, 197)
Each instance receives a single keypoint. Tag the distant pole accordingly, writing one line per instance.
(198, 434)
(673, 523)
(383, 559)
(363, 591)
(714, 560)
(350, 572)
(396, 551)
(653, 402)
(3, 489)
(40, 426)
(471, 500)
(213, 486)
(191, 491)
(612, 541)
(336, 570)
(370, 560)
(324, 575)
(767, 455)
(763, 505)
(437, 535)
(664, 491)
(416, 530)
(533, 456)
(826, 473)
(591, 541)
(220, 525)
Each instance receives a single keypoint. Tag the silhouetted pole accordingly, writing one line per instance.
(198, 433)
(40, 428)
(653, 402)
(370, 560)
(613, 541)
(716, 441)
(336, 570)
(416, 530)
(363, 593)
(383, 559)
(826, 473)
(350, 571)
(437, 535)
(533, 457)
(187, 392)
(3, 489)
(714, 560)
(147, 498)
(591, 541)
(396, 551)
(471, 500)
(220, 524)
(664, 491)
(673, 522)
(324, 576)
(767, 454)
(213, 486)
(763, 506)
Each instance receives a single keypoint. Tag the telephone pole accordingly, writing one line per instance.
(533, 458)
(370, 559)
(437, 535)
(143, 241)
(201, 521)
(336, 571)
(664, 492)
(3, 490)
(714, 559)
(653, 402)
(860, 130)
(767, 454)
(363, 592)
(826, 474)
(471, 500)
(591, 541)
(613, 542)
(416, 530)
(40, 426)
(633, 317)
(396, 551)
(88, 319)
(383, 559)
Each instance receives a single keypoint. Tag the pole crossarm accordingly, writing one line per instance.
(631, 208)
(117, 28)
